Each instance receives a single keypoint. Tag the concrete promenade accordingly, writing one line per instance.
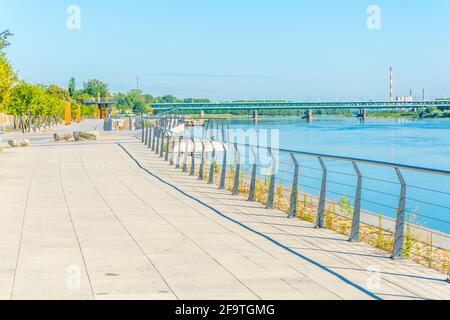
(85, 221)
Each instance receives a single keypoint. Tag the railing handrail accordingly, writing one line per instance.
(357, 160)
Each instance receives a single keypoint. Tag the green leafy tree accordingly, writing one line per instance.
(54, 105)
(92, 87)
(72, 88)
(122, 101)
(58, 91)
(3, 39)
(34, 104)
(148, 98)
(134, 100)
(88, 111)
(82, 96)
(23, 98)
(3, 44)
(139, 107)
(7, 79)
(168, 99)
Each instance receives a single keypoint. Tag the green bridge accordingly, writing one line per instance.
(298, 105)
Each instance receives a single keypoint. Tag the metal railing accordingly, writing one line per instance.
(291, 175)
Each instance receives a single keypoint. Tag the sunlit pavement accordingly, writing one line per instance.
(84, 221)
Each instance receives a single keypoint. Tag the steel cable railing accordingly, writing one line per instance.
(327, 201)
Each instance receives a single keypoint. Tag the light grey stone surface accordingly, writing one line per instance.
(83, 221)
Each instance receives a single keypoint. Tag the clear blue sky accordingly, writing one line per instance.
(236, 49)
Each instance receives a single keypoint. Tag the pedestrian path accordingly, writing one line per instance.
(110, 220)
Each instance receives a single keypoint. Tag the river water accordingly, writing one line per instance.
(414, 142)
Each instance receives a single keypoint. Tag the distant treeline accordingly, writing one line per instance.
(429, 112)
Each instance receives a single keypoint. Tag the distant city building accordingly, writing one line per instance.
(404, 99)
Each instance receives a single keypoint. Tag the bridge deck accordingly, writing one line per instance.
(90, 210)
(299, 105)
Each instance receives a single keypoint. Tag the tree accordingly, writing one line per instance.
(62, 93)
(23, 98)
(82, 96)
(148, 98)
(72, 88)
(133, 100)
(3, 39)
(139, 107)
(121, 101)
(7, 79)
(35, 104)
(193, 100)
(92, 87)
(168, 99)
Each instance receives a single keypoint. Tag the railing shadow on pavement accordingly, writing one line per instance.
(303, 185)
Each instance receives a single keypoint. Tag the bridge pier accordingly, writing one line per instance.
(309, 115)
(362, 114)
(255, 115)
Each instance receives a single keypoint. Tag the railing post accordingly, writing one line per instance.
(271, 194)
(149, 140)
(185, 160)
(158, 138)
(167, 148)
(145, 133)
(211, 167)
(237, 174)
(400, 225)
(354, 235)
(163, 136)
(218, 131)
(294, 191)
(211, 131)
(155, 133)
(320, 223)
(223, 131)
(205, 132)
(251, 193)
(223, 175)
(172, 157)
(179, 153)
(192, 171)
(202, 164)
